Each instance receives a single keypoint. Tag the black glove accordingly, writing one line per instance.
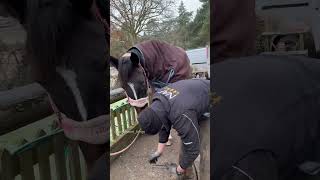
(172, 167)
(154, 157)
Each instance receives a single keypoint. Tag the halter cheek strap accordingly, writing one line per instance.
(136, 102)
(141, 102)
(93, 131)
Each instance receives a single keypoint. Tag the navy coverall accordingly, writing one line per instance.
(181, 105)
(267, 122)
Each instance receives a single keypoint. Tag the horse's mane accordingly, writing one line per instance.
(50, 24)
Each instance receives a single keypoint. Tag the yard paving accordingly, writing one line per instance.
(133, 164)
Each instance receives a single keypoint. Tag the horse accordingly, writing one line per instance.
(67, 49)
(148, 66)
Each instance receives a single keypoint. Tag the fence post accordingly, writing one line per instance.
(113, 126)
(134, 115)
(43, 158)
(124, 119)
(60, 159)
(26, 164)
(74, 161)
(6, 165)
(129, 114)
(119, 121)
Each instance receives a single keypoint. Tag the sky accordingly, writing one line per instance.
(191, 5)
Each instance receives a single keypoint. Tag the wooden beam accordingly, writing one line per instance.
(116, 95)
(22, 94)
(23, 114)
(21, 106)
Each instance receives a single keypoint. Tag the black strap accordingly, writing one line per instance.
(160, 84)
(139, 53)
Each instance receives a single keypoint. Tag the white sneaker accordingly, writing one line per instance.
(169, 143)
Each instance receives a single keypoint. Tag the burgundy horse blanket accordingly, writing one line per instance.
(162, 61)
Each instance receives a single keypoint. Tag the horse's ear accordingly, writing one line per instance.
(134, 59)
(17, 9)
(114, 62)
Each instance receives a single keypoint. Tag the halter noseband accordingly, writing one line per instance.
(141, 102)
(93, 131)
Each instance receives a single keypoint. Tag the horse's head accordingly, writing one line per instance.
(67, 48)
(68, 51)
(133, 79)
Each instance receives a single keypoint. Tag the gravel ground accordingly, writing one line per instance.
(134, 165)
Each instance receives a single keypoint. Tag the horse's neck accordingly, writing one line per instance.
(69, 77)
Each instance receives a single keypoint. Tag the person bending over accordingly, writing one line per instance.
(181, 105)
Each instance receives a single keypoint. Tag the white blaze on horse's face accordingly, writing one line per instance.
(141, 102)
(70, 78)
(131, 85)
(127, 55)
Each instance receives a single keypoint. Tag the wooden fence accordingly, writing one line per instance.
(34, 147)
(40, 151)
(123, 118)
(123, 123)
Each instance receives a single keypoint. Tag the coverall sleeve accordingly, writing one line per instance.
(163, 135)
(187, 127)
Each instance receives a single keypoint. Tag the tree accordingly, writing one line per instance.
(199, 27)
(183, 20)
(136, 16)
(184, 16)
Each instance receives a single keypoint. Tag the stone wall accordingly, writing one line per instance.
(13, 69)
(114, 84)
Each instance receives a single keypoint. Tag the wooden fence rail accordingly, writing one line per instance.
(40, 151)
(21, 106)
(122, 117)
(123, 120)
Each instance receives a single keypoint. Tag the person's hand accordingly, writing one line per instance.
(154, 157)
(180, 170)
(176, 170)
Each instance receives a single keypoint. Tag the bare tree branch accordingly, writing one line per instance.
(133, 16)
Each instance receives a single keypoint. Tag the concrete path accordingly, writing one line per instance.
(134, 165)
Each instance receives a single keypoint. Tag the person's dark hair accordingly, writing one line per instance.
(149, 121)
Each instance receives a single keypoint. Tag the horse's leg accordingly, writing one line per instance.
(205, 149)
(91, 153)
